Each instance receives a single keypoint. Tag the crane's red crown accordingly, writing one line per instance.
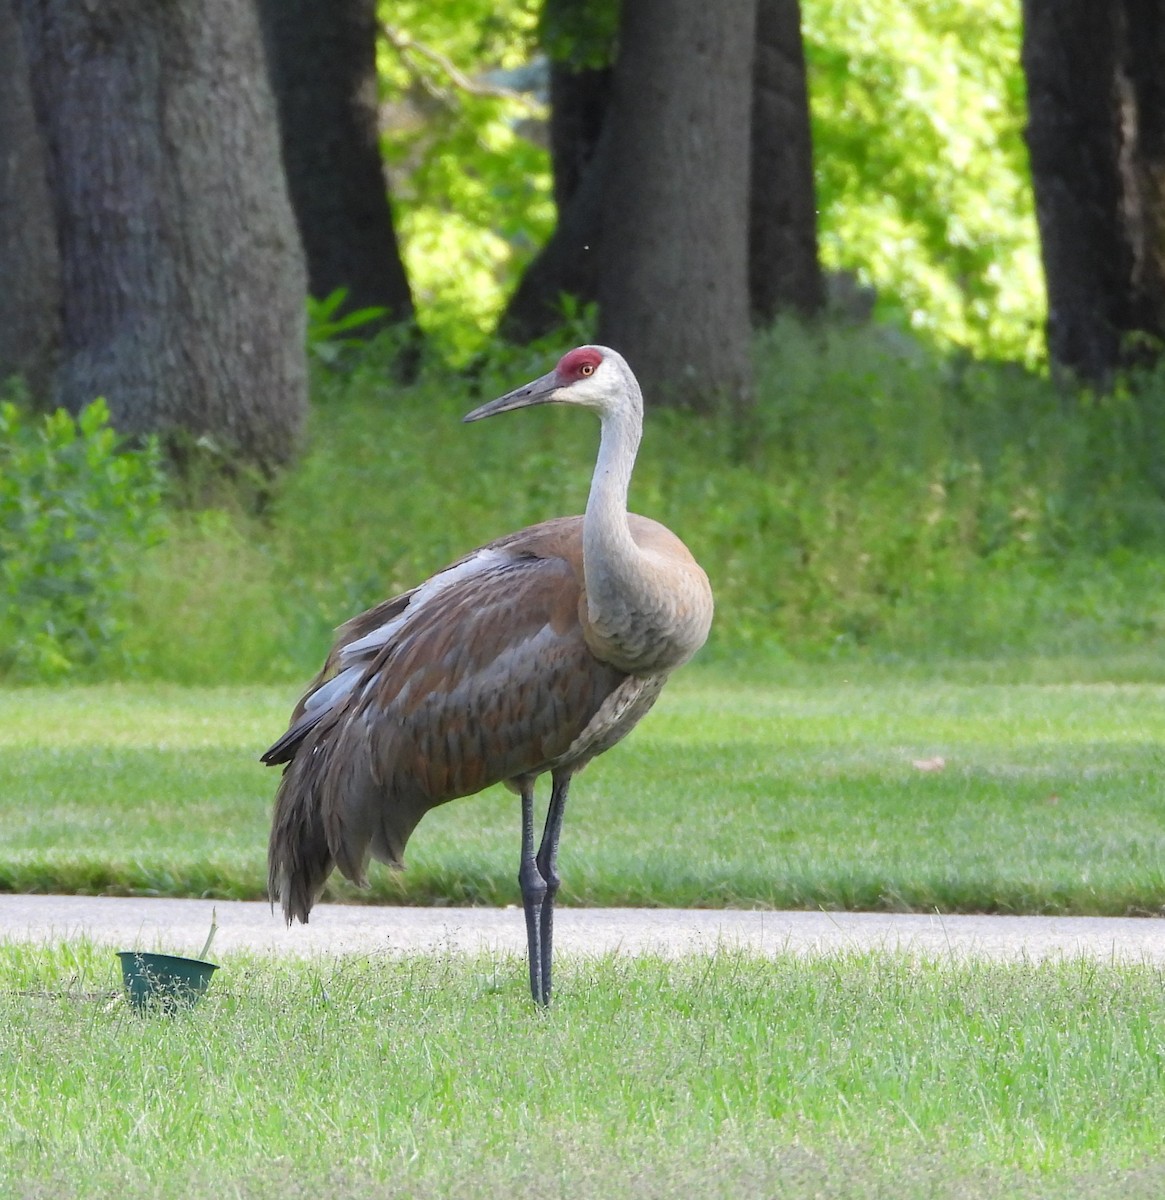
(578, 364)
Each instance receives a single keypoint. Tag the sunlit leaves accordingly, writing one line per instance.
(922, 174)
(470, 187)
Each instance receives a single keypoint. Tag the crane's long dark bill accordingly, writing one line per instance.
(538, 392)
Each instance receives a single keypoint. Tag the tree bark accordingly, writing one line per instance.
(182, 273)
(30, 295)
(579, 101)
(784, 269)
(580, 155)
(1143, 160)
(323, 66)
(1096, 136)
(673, 272)
(1073, 136)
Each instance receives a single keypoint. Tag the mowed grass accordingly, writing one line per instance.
(722, 1076)
(729, 793)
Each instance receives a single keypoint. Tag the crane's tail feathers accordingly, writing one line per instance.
(299, 859)
(283, 751)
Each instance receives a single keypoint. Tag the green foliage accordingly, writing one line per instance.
(76, 506)
(883, 501)
(471, 193)
(208, 602)
(327, 325)
(582, 33)
(922, 174)
(899, 499)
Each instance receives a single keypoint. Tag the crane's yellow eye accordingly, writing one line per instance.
(586, 369)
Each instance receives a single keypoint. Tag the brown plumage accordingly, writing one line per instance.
(532, 654)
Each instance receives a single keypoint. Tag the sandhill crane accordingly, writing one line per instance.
(532, 654)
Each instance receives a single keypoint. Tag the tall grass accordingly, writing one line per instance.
(880, 502)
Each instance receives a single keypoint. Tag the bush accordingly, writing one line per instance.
(76, 507)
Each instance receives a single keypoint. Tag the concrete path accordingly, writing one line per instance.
(180, 927)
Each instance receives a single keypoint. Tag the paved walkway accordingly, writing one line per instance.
(180, 927)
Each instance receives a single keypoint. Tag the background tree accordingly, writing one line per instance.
(567, 263)
(1096, 134)
(579, 40)
(1070, 56)
(784, 271)
(673, 268)
(182, 275)
(580, 97)
(923, 178)
(1143, 96)
(323, 67)
(922, 174)
(30, 321)
(470, 174)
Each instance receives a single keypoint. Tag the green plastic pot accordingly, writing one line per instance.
(164, 981)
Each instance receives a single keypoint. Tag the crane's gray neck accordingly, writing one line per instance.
(612, 562)
(607, 504)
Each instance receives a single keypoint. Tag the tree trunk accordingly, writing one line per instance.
(1143, 161)
(579, 101)
(30, 296)
(323, 65)
(673, 272)
(1096, 135)
(1073, 136)
(182, 273)
(567, 264)
(784, 272)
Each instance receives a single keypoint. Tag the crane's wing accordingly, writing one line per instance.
(491, 680)
(474, 605)
(480, 675)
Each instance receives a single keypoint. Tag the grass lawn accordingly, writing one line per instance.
(851, 1076)
(730, 793)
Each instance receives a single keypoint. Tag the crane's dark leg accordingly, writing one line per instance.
(534, 891)
(547, 863)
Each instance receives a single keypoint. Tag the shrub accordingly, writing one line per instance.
(76, 506)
